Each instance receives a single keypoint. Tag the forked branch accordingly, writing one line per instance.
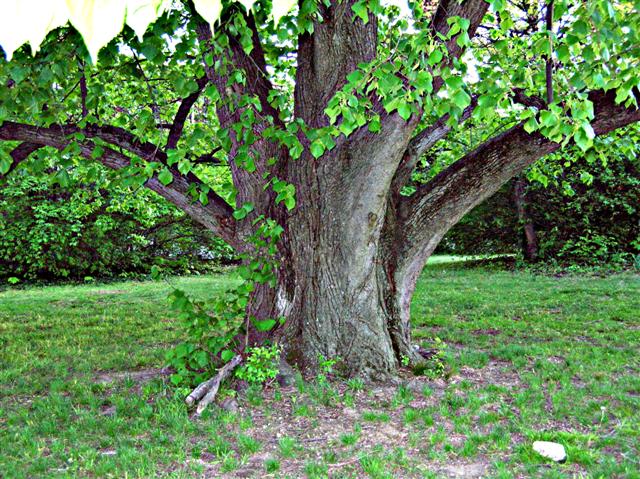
(206, 392)
(175, 132)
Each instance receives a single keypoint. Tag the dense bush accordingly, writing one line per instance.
(79, 230)
(577, 219)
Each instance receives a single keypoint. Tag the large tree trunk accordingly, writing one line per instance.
(338, 297)
(345, 302)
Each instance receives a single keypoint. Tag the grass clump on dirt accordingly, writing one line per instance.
(522, 357)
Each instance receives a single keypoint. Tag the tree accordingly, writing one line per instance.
(322, 120)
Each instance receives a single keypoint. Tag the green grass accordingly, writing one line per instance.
(528, 357)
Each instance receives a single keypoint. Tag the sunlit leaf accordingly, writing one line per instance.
(210, 10)
(29, 21)
(281, 8)
(141, 13)
(98, 21)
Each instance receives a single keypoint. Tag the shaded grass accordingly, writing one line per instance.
(529, 357)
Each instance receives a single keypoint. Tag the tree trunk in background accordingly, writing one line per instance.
(529, 237)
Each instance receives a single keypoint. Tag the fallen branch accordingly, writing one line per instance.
(199, 391)
(426, 353)
(206, 391)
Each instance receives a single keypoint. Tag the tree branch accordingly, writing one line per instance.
(423, 142)
(472, 10)
(216, 215)
(83, 91)
(436, 206)
(322, 70)
(175, 131)
(549, 59)
(253, 65)
(250, 185)
(129, 142)
(21, 153)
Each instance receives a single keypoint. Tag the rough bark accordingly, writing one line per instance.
(336, 307)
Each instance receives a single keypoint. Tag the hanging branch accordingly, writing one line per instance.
(549, 62)
(83, 91)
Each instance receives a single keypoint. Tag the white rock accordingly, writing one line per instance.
(551, 450)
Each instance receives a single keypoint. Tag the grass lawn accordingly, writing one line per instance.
(527, 358)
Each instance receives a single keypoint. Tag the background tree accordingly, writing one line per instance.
(330, 110)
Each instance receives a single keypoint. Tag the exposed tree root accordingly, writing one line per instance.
(206, 392)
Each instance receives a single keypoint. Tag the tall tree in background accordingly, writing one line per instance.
(321, 121)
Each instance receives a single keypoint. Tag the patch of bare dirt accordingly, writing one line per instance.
(467, 471)
(106, 292)
(498, 373)
(141, 376)
(487, 332)
(318, 427)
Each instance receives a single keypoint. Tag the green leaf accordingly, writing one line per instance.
(487, 101)
(355, 76)
(584, 136)
(264, 325)
(227, 355)
(202, 358)
(155, 272)
(165, 177)
(317, 148)
(173, 156)
(290, 202)
(62, 178)
(461, 99)
(240, 214)
(531, 125)
(5, 162)
(360, 9)
(435, 57)
(548, 119)
(404, 110)
(375, 125)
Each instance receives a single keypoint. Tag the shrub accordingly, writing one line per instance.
(49, 231)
